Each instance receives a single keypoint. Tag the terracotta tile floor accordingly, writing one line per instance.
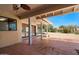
(39, 47)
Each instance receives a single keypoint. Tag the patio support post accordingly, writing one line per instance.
(41, 30)
(47, 30)
(36, 30)
(30, 31)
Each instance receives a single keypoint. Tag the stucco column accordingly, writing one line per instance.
(41, 30)
(30, 31)
(47, 30)
(36, 29)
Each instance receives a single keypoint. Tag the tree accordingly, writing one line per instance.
(68, 29)
(62, 26)
(50, 28)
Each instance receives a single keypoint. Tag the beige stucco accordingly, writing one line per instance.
(10, 37)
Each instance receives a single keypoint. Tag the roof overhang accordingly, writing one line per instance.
(49, 10)
(62, 11)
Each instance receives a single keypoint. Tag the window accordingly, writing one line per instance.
(3, 26)
(8, 24)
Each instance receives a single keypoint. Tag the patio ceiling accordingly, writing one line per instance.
(38, 10)
(7, 9)
(48, 10)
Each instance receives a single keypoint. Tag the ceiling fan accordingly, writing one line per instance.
(24, 6)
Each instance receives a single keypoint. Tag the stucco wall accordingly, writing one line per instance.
(10, 37)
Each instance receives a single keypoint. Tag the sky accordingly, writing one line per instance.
(67, 19)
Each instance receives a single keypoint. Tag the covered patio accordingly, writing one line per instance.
(12, 43)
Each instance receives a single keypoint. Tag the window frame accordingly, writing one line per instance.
(9, 23)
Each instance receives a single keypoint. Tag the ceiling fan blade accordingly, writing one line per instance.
(26, 7)
(15, 7)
